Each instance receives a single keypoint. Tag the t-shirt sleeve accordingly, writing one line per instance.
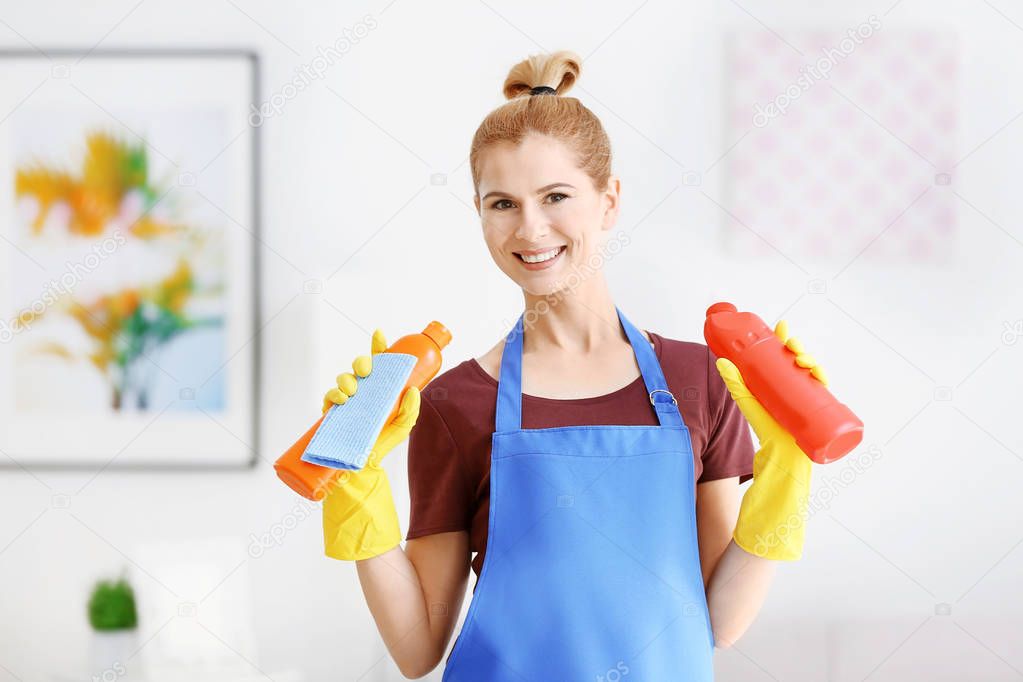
(729, 450)
(438, 494)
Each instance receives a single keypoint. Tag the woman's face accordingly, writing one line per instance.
(536, 205)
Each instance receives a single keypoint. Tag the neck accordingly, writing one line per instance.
(579, 320)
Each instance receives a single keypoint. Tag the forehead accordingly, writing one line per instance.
(536, 161)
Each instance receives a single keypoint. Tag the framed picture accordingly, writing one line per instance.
(128, 259)
(845, 151)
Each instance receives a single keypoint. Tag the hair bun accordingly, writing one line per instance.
(558, 70)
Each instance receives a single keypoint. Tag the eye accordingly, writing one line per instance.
(497, 205)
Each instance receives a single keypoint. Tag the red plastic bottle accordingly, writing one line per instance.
(825, 429)
(312, 481)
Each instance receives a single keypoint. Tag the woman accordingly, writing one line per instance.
(601, 507)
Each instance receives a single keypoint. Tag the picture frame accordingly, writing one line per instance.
(129, 259)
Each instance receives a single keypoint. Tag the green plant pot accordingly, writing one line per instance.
(112, 606)
(109, 653)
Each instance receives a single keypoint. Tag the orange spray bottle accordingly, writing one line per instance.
(824, 428)
(312, 481)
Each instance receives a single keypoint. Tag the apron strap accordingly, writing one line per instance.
(509, 384)
(664, 403)
(509, 389)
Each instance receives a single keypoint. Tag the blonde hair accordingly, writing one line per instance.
(563, 118)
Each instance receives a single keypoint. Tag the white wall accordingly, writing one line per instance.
(935, 519)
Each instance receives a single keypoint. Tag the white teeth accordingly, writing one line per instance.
(541, 257)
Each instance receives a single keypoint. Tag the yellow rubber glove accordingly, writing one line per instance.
(359, 518)
(772, 516)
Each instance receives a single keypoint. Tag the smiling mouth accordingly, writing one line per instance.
(543, 257)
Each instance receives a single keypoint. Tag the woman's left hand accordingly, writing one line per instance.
(772, 516)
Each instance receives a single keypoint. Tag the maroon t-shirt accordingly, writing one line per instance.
(449, 447)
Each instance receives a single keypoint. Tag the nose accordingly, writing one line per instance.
(533, 226)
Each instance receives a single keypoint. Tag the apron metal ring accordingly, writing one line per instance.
(661, 390)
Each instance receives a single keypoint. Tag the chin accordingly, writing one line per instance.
(535, 286)
(545, 288)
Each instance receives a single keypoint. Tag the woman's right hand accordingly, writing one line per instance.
(415, 593)
(359, 517)
(398, 428)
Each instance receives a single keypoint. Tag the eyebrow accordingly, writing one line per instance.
(539, 191)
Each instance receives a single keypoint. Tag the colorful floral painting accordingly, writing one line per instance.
(128, 311)
(102, 199)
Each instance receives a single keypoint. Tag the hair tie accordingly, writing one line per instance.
(543, 90)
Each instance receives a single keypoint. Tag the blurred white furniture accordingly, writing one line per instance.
(195, 623)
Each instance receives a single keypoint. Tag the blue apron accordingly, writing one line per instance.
(592, 570)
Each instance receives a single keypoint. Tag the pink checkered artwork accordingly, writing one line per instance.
(845, 150)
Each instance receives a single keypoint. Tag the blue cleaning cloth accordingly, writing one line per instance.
(347, 434)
